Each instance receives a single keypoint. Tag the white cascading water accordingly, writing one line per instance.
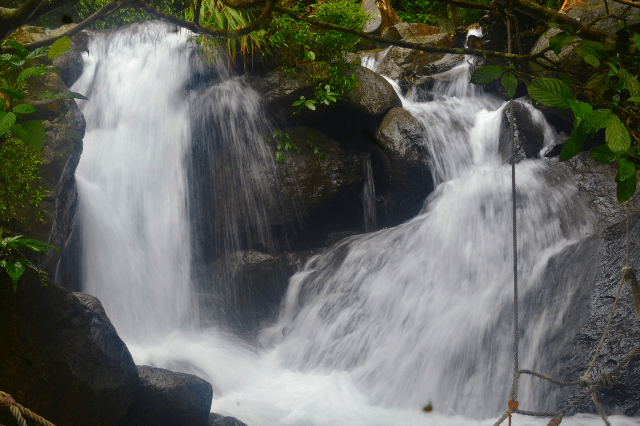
(371, 330)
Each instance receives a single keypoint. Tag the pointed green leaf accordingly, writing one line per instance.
(635, 99)
(31, 72)
(40, 51)
(580, 109)
(7, 121)
(36, 134)
(616, 135)
(597, 120)
(636, 38)
(560, 40)
(486, 74)
(19, 132)
(588, 56)
(626, 169)
(629, 83)
(59, 47)
(279, 157)
(634, 151)
(599, 83)
(24, 109)
(551, 92)
(626, 189)
(510, 84)
(567, 78)
(574, 144)
(18, 49)
(602, 154)
(15, 271)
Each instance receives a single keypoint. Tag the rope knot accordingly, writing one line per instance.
(513, 405)
(7, 400)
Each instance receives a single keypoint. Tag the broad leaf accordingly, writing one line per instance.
(35, 134)
(486, 74)
(597, 120)
(18, 49)
(510, 84)
(576, 140)
(59, 47)
(560, 40)
(616, 135)
(279, 157)
(31, 72)
(551, 92)
(602, 154)
(629, 83)
(12, 93)
(15, 271)
(7, 121)
(580, 109)
(599, 83)
(40, 51)
(634, 151)
(24, 109)
(626, 189)
(19, 132)
(626, 169)
(635, 99)
(636, 38)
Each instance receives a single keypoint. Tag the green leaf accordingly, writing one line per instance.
(626, 169)
(560, 40)
(322, 157)
(18, 49)
(36, 134)
(629, 83)
(602, 154)
(311, 104)
(576, 140)
(24, 109)
(19, 132)
(612, 70)
(40, 51)
(616, 135)
(31, 72)
(635, 99)
(279, 157)
(15, 271)
(599, 83)
(626, 189)
(7, 121)
(580, 109)
(588, 56)
(634, 151)
(12, 93)
(510, 84)
(308, 54)
(636, 38)
(567, 78)
(486, 74)
(551, 92)
(59, 47)
(597, 120)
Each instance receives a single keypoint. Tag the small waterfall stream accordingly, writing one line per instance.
(372, 329)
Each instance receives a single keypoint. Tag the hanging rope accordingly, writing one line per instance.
(19, 411)
(628, 276)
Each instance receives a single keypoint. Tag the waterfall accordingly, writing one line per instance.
(372, 329)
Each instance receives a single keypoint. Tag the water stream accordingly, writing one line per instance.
(371, 330)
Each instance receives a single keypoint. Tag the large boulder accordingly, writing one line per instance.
(220, 420)
(167, 398)
(593, 269)
(405, 162)
(61, 359)
(586, 13)
(373, 96)
(401, 61)
(530, 133)
(597, 186)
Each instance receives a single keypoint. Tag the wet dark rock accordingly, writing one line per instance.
(373, 96)
(246, 288)
(403, 157)
(219, 420)
(70, 65)
(595, 263)
(335, 237)
(60, 358)
(596, 184)
(321, 196)
(94, 304)
(167, 398)
(530, 134)
(400, 61)
(447, 63)
(374, 24)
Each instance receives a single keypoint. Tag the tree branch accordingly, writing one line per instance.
(199, 29)
(243, 4)
(547, 15)
(401, 43)
(468, 4)
(196, 12)
(112, 5)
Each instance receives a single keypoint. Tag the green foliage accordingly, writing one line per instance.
(282, 141)
(14, 262)
(299, 41)
(432, 12)
(614, 84)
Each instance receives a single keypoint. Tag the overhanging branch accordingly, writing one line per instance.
(467, 4)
